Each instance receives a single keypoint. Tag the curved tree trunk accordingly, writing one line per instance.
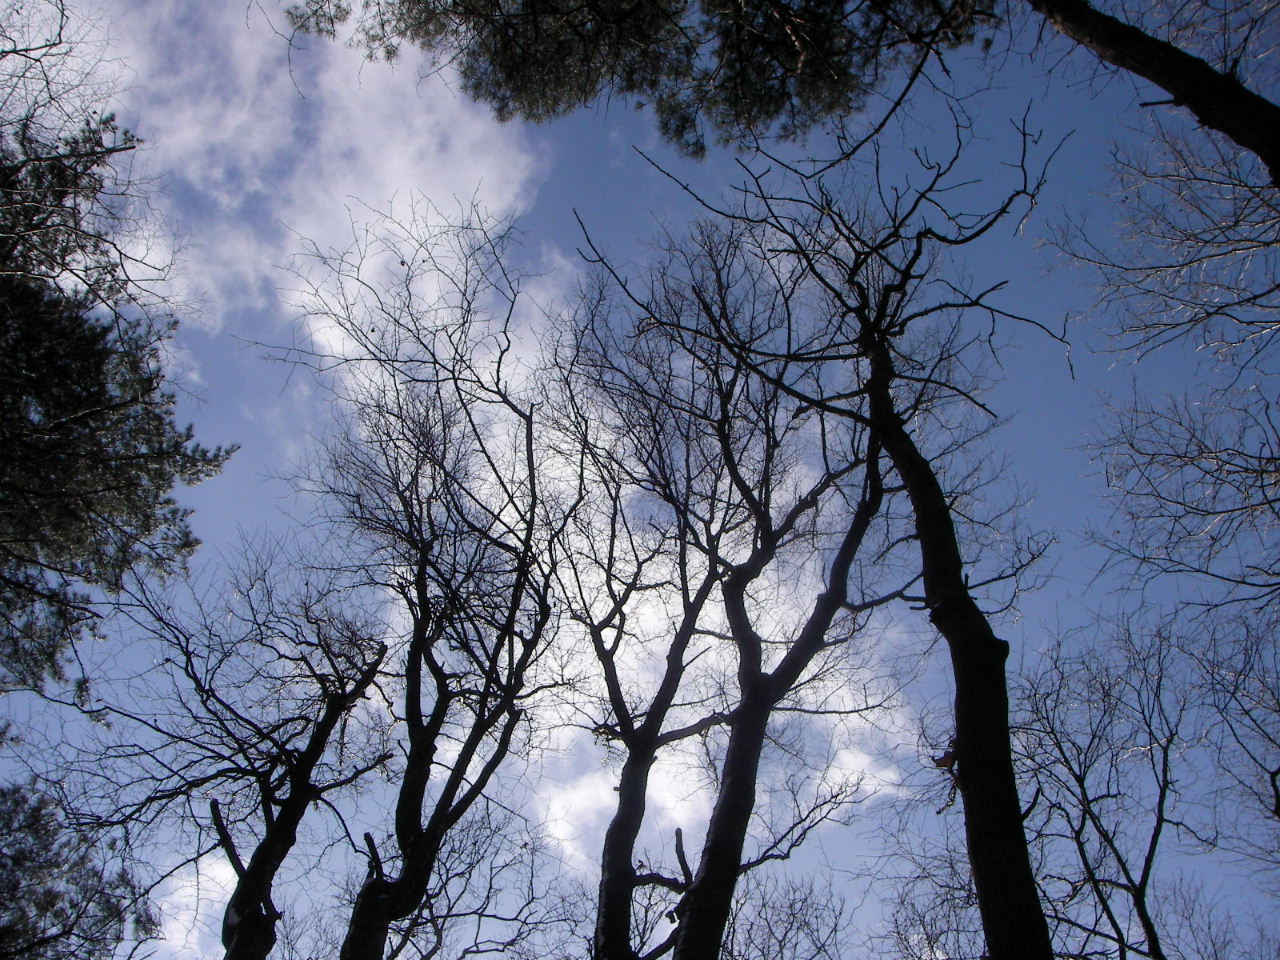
(1012, 917)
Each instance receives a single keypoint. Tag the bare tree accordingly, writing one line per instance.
(1193, 263)
(442, 477)
(1105, 741)
(749, 525)
(778, 918)
(1235, 667)
(884, 351)
(248, 725)
(1122, 755)
(1193, 485)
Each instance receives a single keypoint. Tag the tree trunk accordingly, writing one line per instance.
(370, 922)
(706, 907)
(617, 870)
(249, 922)
(383, 900)
(1012, 917)
(1218, 100)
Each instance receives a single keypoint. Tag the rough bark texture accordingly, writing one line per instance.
(1218, 100)
(1012, 917)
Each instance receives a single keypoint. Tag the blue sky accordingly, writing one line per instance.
(255, 145)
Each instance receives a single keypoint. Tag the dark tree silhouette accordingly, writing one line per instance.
(721, 482)
(89, 449)
(442, 479)
(882, 346)
(748, 69)
(59, 897)
(91, 455)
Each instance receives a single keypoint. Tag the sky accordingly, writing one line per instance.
(258, 143)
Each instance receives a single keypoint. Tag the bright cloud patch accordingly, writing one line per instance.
(576, 814)
(258, 141)
(190, 907)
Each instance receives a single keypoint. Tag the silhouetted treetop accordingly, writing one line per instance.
(752, 68)
(89, 449)
(91, 454)
(741, 69)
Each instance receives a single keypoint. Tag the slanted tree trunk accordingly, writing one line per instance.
(706, 906)
(1218, 100)
(1012, 917)
(704, 912)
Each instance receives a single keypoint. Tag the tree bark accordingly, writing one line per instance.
(705, 908)
(1218, 100)
(617, 869)
(382, 901)
(1012, 917)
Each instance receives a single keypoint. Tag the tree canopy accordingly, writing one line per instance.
(757, 68)
(741, 69)
(605, 595)
(91, 451)
(58, 899)
(91, 455)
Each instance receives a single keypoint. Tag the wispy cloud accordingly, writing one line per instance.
(257, 139)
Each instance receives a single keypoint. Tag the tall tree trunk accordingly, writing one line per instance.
(249, 922)
(1218, 100)
(617, 869)
(704, 911)
(1012, 917)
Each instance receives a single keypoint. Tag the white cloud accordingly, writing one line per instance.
(575, 814)
(252, 144)
(190, 906)
(851, 765)
(258, 142)
(678, 794)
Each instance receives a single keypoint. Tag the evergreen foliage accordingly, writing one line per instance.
(57, 898)
(90, 455)
(741, 69)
